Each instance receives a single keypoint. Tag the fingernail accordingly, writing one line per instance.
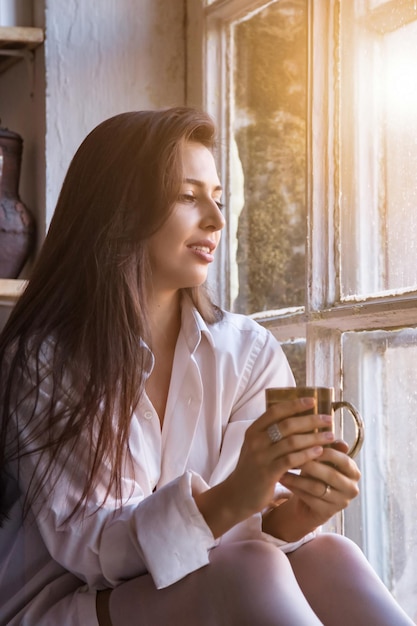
(308, 401)
(327, 419)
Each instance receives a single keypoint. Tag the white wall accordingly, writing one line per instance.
(104, 57)
(100, 57)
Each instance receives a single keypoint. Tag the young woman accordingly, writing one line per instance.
(143, 482)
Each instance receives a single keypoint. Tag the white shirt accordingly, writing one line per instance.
(50, 569)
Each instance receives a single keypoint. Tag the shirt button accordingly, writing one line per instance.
(148, 415)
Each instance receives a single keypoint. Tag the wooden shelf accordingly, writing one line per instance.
(11, 289)
(16, 42)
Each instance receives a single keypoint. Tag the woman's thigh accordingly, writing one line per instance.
(246, 583)
(341, 586)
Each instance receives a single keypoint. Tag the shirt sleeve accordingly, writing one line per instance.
(163, 533)
(169, 556)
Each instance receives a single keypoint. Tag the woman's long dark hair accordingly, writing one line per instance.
(86, 294)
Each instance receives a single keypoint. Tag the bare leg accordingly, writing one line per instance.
(245, 583)
(341, 586)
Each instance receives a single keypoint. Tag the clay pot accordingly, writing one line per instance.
(17, 225)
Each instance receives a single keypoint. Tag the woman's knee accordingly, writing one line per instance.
(335, 545)
(260, 586)
(253, 569)
(327, 550)
(249, 560)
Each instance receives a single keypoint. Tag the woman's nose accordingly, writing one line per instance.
(213, 216)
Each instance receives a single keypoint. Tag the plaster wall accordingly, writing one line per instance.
(99, 58)
(104, 57)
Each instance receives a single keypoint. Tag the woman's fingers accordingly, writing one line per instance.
(335, 463)
(302, 424)
(284, 439)
(340, 445)
(333, 477)
(293, 460)
(287, 436)
(296, 435)
(281, 410)
(283, 419)
(290, 447)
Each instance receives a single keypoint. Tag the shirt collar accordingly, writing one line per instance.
(193, 326)
(148, 370)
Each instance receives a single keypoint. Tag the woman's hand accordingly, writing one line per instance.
(262, 463)
(324, 487)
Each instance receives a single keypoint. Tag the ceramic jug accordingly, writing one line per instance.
(17, 225)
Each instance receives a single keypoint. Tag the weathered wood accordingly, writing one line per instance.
(11, 289)
(15, 41)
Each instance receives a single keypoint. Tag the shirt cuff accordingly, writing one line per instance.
(286, 546)
(173, 535)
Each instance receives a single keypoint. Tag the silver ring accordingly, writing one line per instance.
(327, 490)
(274, 433)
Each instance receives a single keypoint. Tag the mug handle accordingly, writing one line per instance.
(359, 426)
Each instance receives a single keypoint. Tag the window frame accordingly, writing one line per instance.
(326, 316)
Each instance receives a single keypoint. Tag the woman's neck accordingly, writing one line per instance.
(165, 318)
(165, 323)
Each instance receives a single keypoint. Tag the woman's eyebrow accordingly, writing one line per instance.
(199, 183)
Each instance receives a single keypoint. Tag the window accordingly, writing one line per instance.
(316, 103)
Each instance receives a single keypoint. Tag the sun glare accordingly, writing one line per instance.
(400, 76)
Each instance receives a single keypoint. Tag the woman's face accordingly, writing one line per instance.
(183, 248)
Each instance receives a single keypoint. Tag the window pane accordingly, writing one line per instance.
(295, 352)
(267, 158)
(384, 389)
(378, 148)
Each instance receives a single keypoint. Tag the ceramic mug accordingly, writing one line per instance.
(324, 405)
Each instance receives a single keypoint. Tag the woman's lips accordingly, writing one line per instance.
(203, 251)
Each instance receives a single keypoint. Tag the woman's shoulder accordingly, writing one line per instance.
(238, 327)
(249, 349)
(239, 322)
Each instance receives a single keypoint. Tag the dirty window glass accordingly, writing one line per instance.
(382, 386)
(267, 158)
(378, 147)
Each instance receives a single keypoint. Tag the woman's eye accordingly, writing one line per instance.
(187, 197)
